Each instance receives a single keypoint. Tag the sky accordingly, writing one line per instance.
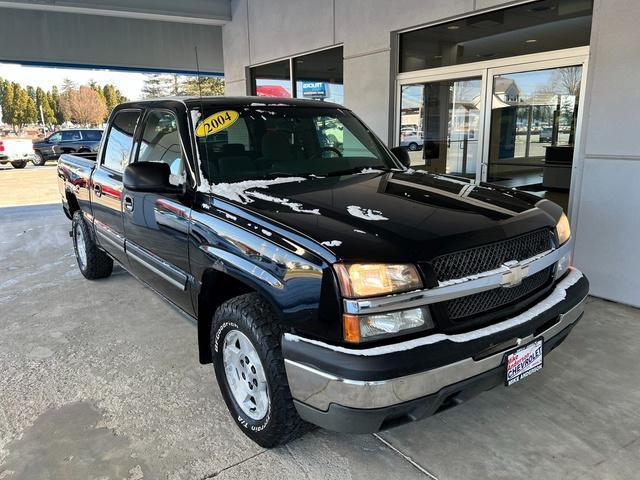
(129, 83)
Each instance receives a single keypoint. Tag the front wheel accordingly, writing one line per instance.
(19, 164)
(38, 159)
(245, 342)
(92, 262)
(413, 146)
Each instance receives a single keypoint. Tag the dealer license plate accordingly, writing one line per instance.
(523, 362)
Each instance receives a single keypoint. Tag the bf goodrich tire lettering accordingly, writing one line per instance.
(249, 317)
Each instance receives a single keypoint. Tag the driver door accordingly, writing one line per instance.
(157, 224)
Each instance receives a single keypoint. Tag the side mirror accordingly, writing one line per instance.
(152, 177)
(402, 155)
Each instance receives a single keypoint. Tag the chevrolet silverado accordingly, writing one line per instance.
(331, 283)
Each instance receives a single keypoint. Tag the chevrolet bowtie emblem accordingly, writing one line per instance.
(515, 275)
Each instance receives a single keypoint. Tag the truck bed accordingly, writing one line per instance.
(74, 179)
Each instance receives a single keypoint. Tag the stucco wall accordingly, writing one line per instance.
(608, 200)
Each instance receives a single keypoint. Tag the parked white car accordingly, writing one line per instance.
(16, 152)
(412, 141)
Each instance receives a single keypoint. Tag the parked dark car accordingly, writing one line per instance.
(330, 284)
(66, 141)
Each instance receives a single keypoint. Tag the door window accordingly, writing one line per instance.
(533, 128)
(440, 123)
(55, 138)
(93, 135)
(160, 141)
(71, 136)
(120, 140)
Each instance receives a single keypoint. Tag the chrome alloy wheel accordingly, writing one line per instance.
(245, 375)
(81, 248)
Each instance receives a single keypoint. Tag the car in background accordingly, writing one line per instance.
(546, 135)
(17, 152)
(412, 141)
(81, 140)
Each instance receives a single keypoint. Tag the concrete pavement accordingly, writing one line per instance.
(28, 186)
(101, 380)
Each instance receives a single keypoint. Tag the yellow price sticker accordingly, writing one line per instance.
(216, 122)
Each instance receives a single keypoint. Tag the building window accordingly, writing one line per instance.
(530, 28)
(272, 80)
(319, 76)
(316, 76)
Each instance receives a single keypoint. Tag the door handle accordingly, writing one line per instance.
(97, 188)
(128, 203)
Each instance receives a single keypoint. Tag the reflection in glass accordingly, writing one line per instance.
(439, 125)
(533, 126)
(319, 76)
(524, 29)
(271, 80)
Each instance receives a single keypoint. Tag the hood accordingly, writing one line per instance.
(400, 216)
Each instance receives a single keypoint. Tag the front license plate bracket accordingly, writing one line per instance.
(524, 361)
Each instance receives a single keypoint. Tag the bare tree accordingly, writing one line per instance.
(84, 106)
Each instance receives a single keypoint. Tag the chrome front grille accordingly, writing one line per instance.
(489, 257)
(463, 307)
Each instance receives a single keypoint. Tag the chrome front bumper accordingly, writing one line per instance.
(319, 389)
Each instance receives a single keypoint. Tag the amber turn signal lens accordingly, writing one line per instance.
(351, 326)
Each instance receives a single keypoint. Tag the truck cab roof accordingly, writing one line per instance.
(194, 101)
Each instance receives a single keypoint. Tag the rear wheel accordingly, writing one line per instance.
(19, 164)
(413, 146)
(38, 160)
(92, 262)
(245, 342)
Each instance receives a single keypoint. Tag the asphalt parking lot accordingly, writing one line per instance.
(101, 380)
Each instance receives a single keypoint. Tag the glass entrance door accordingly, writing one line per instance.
(532, 130)
(440, 125)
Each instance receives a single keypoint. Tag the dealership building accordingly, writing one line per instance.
(542, 96)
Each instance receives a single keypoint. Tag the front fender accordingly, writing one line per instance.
(297, 282)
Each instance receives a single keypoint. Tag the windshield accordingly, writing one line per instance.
(245, 143)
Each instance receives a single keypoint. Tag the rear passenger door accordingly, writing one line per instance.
(106, 183)
(157, 225)
(69, 141)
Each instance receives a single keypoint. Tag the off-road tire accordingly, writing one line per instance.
(38, 160)
(253, 316)
(19, 164)
(98, 264)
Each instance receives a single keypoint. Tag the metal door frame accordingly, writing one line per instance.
(486, 71)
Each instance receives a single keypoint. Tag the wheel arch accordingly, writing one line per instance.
(72, 203)
(216, 287)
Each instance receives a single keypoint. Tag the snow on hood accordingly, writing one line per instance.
(242, 192)
(332, 243)
(365, 213)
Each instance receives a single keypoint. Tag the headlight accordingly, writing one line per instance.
(563, 229)
(362, 328)
(366, 280)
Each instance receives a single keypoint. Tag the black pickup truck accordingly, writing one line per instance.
(331, 284)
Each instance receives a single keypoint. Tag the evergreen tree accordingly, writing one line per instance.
(112, 96)
(155, 86)
(42, 101)
(55, 104)
(207, 86)
(7, 103)
(31, 92)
